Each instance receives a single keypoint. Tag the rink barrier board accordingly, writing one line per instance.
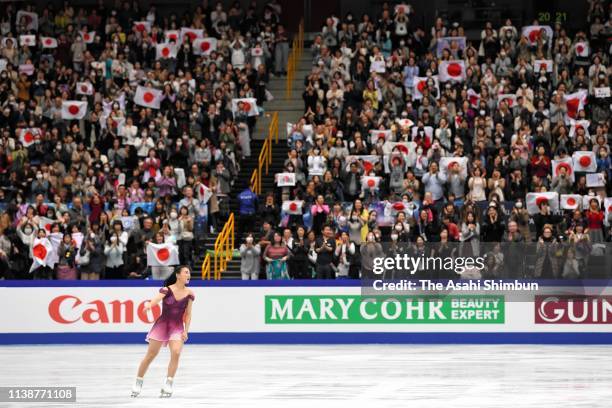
(252, 330)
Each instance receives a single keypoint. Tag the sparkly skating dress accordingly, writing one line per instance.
(169, 326)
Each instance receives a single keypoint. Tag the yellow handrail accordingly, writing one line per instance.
(297, 47)
(224, 247)
(206, 267)
(265, 155)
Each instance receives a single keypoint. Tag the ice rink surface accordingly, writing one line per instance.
(323, 376)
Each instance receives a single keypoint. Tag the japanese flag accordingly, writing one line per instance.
(405, 148)
(570, 201)
(608, 210)
(73, 110)
(535, 33)
(405, 8)
(204, 46)
(404, 123)
(48, 42)
(575, 102)
(535, 199)
(394, 159)
(586, 201)
(453, 70)
(29, 136)
(84, 88)
(142, 26)
(428, 133)
(257, 52)
(45, 223)
(546, 65)
(293, 207)
(447, 163)
(165, 50)
(582, 49)
(367, 161)
(420, 84)
(162, 254)
(567, 164)
(473, 98)
(29, 40)
(579, 124)
(28, 19)
(380, 134)
(172, 35)
(204, 193)
(285, 179)
(509, 98)
(88, 37)
(584, 161)
(191, 33)
(370, 183)
(42, 253)
(245, 105)
(148, 97)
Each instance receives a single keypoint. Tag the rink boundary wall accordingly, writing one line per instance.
(242, 322)
(288, 338)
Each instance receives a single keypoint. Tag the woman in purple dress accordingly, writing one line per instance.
(170, 328)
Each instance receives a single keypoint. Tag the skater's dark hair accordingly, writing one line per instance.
(171, 280)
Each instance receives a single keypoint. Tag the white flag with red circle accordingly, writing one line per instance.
(426, 134)
(27, 20)
(28, 39)
(380, 134)
(586, 201)
(566, 163)
(165, 50)
(88, 36)
(370, 183)
(84, 88)
(608, 210)
(204, 193)
(473, 98)
(585, 162)
(74, 110)
(404, 8)
(582, 49)
(579, 124)
(546, 65)
(48, 42)
(406, 148)
(162, 254)
(367, 161)
(534, 33)
(247, 106)
(42, 253)
(204, 46)
(257, 52)
(148, 97)
(191, 33)
(404, 123)
(448, 163)
(285, 179)
(534, 200)
(453, 70)
(142, 26)
(575, 102)
(172, 35)
(29, 136)
(419, 85)
(45, 223)
(293, 207)
(570, 201)
(509, 98)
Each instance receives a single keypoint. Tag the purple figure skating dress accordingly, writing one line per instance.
(169, 326)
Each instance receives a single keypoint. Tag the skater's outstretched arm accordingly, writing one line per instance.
(154, 302)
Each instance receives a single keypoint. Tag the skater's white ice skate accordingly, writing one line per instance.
(137, 388)
(166, 391)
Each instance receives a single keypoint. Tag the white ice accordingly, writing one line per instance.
(377, 376)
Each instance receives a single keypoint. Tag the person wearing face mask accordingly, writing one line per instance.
(114, 250)
(370, 250)
(91, 260)
(249, 258)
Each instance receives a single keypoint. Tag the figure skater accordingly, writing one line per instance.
(170, 328)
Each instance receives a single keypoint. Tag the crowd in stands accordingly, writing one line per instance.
(416, 135)
(122, 129)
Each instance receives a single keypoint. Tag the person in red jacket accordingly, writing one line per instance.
(595, 219)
